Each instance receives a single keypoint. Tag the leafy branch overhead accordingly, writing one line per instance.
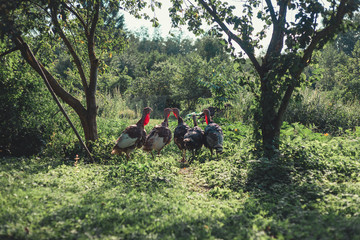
(303, 25)
(86, 30)
(294, 29)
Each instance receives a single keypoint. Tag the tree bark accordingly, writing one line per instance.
(88, 122)
(270, 123)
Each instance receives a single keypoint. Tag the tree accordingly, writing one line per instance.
(210, 47)
(345, 42)
(349, 83)
(84, 29)
(289, 51)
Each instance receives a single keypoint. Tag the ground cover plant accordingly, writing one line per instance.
(314, 195)
(51, 190)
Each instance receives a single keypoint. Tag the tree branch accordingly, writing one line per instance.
(327, 31)
(70, 48)
(64, 95)
(277, 38)
(324, 33)
(94, 62)
(271, 10)
(284, 103)
(43, 75)
(9, 51)
(244, 45)
(78, 16)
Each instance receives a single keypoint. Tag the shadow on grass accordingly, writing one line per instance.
(157, 213)
(294, 193)
(136, 201)
(31, 165)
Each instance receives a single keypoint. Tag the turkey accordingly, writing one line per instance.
(212, 111)
(133, 136)
(194, 138)
(160, 135)
(213, 134)
(179, 133)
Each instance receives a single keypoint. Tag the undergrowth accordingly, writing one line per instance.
(310, 192)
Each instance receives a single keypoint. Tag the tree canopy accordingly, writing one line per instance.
(288, 52)
(85, 30)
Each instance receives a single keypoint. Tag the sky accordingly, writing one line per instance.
(134, 24)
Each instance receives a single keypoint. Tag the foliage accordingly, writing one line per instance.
(55, 197)
(189, 87)
(223, 84)
(209, 47)
(163, 78)
(323, 112)
(288, 52)
(335, 68)
(349, 83)
(27, 120)
(346, 41)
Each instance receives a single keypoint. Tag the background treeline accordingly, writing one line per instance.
(175, 71)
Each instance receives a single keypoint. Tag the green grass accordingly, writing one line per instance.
(311, 192)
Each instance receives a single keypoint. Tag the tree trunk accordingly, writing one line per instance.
(270, 125)
(89, 125)
(272, 111)
(270, 137)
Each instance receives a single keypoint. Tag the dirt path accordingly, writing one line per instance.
(192, 180)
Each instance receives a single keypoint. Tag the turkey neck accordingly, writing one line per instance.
(140, 123)
(180, 121)
(208, 118)
(195, 122)
(166, 122)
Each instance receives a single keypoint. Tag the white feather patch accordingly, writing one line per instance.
(125, 141)
(158, 142)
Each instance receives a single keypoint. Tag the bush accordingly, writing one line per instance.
(27, 118)
(27, 142)
(319, 109)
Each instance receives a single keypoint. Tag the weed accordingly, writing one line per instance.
(310, 191)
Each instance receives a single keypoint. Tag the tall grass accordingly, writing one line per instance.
(321, 110)
(113, 106)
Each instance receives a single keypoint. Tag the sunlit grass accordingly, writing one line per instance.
(143, 198)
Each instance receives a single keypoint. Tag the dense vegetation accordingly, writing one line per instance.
(51, 191)
(298, 29)
(311, 192)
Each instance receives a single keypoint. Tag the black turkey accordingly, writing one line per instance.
(194, 138)
(179, 133)
(214, 137)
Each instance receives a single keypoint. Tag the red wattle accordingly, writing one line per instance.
(147, 119)
(206, 119)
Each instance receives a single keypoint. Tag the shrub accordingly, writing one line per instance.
(319, 109)
(28, 113)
